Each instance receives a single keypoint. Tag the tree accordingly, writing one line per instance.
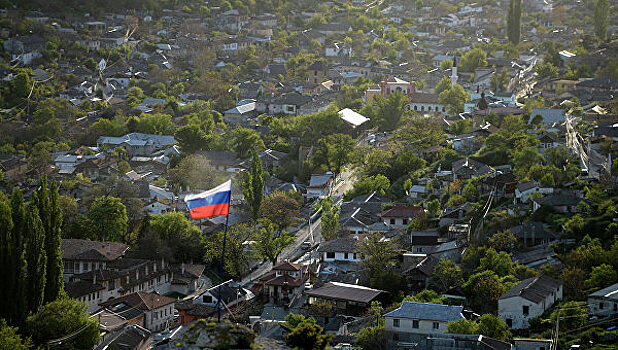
(135, 95)
(601, 277)
(36, 259)
(462, 326)
(244, 141)
(473, 59)
(386, 112)
(53, 238)
(483, 289)
(573, 315)
(6, 256)
(107, 219)
(574, 282)
(330, 219)
(446, 64)
(454, 98)
(444, 84)
(434, 208)
(446, 275)
(253, 185)
(500, 80)
(279, 209)
(513, 21)
(158, 124)
(294, 320)
(236, 259)
(270, 241)
(492, 326)
(499, 262)
(177, 236)
(373, 338)
(307, 336)
(379, 259)
(333, 151)
(60, 318)
(503, 241)
(525, 158)
(193, 171)
(426, 296)
(10, 339)
(18, 259)
(601, 18)
(547, 70)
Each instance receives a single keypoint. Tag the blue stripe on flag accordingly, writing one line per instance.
(217, 198)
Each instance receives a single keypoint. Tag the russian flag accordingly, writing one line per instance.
(210, 203)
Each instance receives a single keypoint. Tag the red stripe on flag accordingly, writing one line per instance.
(210, 211)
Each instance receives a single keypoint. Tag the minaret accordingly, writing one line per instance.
(454, 72)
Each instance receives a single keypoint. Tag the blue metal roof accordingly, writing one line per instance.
(426, 311)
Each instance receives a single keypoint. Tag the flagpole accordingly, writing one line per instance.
(227, 217)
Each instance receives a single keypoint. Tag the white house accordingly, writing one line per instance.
(339, 250)
(412, 321)
(524, 191)
(604, 302)
(157, 309)
(230, 295)
(320, 185)
(529, 299)
(418, 191)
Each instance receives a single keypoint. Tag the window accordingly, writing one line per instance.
(415, 108)
(207, 299)
(392, 221)
(414, 323)
(601, 306)
(330, 255)
(526, 310)
(443, 109)
(429, 108)
(422, 108)
(509, 322)
(395, 336)
(396, 322)
(155, 316)
(436, 325)
(405, 221)
(346, 256)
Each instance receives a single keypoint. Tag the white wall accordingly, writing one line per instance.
(512, 308)
(610, 307)
(405, 326)
(340, 256)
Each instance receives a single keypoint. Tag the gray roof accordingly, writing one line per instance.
(345, 245)
(568, 199)
(535, 289)
(319, 180)
(344, 291)
(527, 185)
(550, 115)
(137, 138)
(610, 292)
(426, 311)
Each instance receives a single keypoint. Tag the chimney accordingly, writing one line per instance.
(136, 274)
(146, 270)
(183, 268)
(109, 248)
(454, 72)
(94, 277)
(154, 267)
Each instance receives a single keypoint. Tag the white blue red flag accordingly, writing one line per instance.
(210, 203)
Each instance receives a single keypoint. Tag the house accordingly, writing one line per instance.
(532, 344)
(338, 50)
(223, 161)
(158, 309)
(25, 49)
(286, 104)
(231, 294)
(95, 168)
(417, 192)
(137, 144)
(530, 189)
(562, 202)
(317, 72)
(347, 299)
(333, 28)
(467, 168)
(399, 216)
(425, 102)
(271, 159)
(80, 255)
(548, 140)
(306, 37)
(454, 215)
(412, 322)
(604, 302)
(189, 312)
(550, 116)
(131, 336)
(320, 185)
(362, 214)
(529, 299)
(387, 87)
(466, 342)
(598, 84)
(241, 113)
(339, 250)
(285, 282)
(424, 241)
(537, 257)
(353, 118)
(530, 234)
(419, 274)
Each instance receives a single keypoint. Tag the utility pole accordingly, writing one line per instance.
(557, 328)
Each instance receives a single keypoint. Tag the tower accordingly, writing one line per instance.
(454, 72)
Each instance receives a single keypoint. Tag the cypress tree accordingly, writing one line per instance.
(253, 185)
(18, 212)
(53, 240)
(35, 257)
(601, 18)
(513, 19)
(6, 257)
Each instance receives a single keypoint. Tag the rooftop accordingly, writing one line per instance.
(426, 311)
(535, 289)
(344, 291)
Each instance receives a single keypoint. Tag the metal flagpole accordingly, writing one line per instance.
(227, 217)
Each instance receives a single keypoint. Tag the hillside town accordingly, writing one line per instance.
(283, 174)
